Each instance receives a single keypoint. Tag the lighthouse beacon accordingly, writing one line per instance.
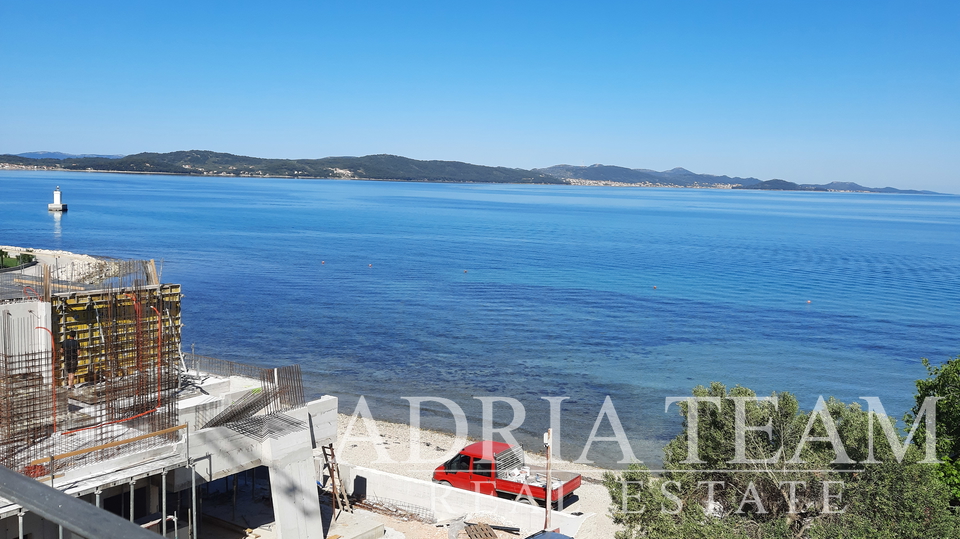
(57, 205)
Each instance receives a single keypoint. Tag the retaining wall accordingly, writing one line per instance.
(449, 502)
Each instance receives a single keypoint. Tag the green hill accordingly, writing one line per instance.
(372, 167)
(394, 167)
(673, 177)
(781, 185)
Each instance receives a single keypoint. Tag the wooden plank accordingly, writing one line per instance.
(153, 278)
(19, 280)
(46, 283)
(107, 446)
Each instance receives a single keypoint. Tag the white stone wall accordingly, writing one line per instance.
(449, 502)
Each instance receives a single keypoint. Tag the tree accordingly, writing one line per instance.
(943, 382)
(781, 479)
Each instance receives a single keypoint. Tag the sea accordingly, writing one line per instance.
(528, 306)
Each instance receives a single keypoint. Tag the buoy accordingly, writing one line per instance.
(464, 271)
(369, 265)
(323, 262)
(654, 288)
(808, 301)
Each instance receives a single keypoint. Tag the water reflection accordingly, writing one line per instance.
(57, 229)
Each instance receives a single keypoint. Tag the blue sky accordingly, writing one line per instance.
(810, 92)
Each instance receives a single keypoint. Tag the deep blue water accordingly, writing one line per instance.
(532, 291)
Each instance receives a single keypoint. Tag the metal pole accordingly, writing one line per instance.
(176, 526)
(20, 522)
(192, 518)
(53, 384)
(60, 531)
(235, 477)
(193, 497)
(548, 441)
(97, 496)
(133, 483)
(163, 502)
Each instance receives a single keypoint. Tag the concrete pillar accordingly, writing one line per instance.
(293, 485)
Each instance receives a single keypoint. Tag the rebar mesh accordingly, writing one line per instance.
(127, 372)
(220, 367)
(282, 387)
(259, 413)
(398, 509)
(267, 426)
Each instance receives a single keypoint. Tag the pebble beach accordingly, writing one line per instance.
(395, 444)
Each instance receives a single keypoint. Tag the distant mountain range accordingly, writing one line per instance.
(371, 167)
(61, 155)
(393, 167)
(783, 185)
(672, 177)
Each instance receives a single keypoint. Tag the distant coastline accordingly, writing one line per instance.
(5, 166)
(574, 181)
(402, 169)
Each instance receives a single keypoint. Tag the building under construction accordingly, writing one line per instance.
(170, 443)
(120, 435)
(126, 326)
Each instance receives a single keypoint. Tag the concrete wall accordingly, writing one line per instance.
(19, 321)
(449, 502)
(323, 420)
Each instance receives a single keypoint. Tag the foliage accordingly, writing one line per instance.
(753, 499)
(943, 382)
(7, 261)
(949, 473)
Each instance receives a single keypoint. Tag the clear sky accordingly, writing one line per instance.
(809, 91)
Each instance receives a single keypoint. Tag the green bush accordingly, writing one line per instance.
(943, 382)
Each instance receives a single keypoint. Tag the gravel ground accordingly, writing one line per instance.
(439, 446)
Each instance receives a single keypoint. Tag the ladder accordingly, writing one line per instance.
(337, 491)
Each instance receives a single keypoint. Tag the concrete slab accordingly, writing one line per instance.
(356, 525)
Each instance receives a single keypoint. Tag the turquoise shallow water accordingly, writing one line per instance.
(533, 291)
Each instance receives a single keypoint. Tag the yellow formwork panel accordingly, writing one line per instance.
(105, 324)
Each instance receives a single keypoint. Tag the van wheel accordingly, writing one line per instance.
(444, 483)
(527, 500)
